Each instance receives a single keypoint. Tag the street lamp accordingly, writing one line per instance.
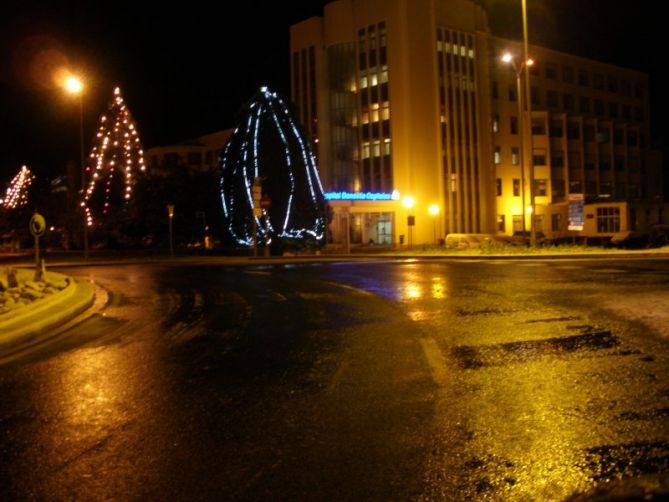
(533, 228)
(434, 211)
(408, 202)
(170, 214)
(74, 86)
(518, 70)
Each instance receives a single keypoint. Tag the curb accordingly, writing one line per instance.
(45, 314)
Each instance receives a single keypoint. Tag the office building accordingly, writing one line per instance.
(416, 126)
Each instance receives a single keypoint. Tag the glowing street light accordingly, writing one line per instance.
(518, 70)
(74, 86)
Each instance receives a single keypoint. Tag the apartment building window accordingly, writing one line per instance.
(557, 158)
(555, 222)
(551, 71)
(534, 96)
(495, 122)
(598, 81)
(574, 159)
(567, 74)
(625, 88)
(619, 163)
(515, 155)
(638, 90)
(538, 126)
(638, 114)
(516, 187)
(498, 155)
(557, 190)
(583, 78)
(514, 124)
(573, 131)
(618, 137)
(599, 107)
(627, 112)
(613, 110)
(590, 162)
(551, 99)
(608, 220)
(631, 138)
(555, 129)
(620, 190)
(512, 93)
(576, 186)
(605, 189)
(194, 159)
(584, 104)
(539, 157)
(589, 132)
(604, 164)
(501, 223)
(568, 101)
(498, 187)
(540, 187)
(612, 84)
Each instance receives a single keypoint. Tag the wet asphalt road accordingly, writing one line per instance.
(436, 380)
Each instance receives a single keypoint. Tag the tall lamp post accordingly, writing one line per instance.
(518, 70)
(528, 98)
(74, 86)
(170, 215)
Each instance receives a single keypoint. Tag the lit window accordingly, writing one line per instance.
(376, 149)
(365, 117)
(365, 150)
(471, 53)
(385, 113)
(498, 186)
(386, 146)
(498, 155)
(540, 187)
(375, 115)
(516, 187)
(384, 76)
(363, 82)
(373, 79)
(515, 155)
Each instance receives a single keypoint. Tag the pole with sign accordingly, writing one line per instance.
(37, 227)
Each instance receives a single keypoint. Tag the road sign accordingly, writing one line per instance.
(411, 220)
(37, 225)
(576, 202)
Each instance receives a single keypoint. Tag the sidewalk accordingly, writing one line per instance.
(27, 322)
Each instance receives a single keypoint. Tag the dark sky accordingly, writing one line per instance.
(185, 70)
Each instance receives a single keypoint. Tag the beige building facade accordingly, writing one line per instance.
(417, 129)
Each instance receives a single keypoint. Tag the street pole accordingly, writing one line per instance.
(528, 99)
(521, 130)
(170, 214)
(83, 171)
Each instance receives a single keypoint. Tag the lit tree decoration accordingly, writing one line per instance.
(17, 192)
(269, 144)
(116, 157)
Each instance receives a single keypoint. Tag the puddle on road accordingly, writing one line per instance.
(474, 357)
(627, 460)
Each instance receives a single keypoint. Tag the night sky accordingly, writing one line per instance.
(186, 70)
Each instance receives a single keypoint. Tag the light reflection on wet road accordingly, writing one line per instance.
(420, 380)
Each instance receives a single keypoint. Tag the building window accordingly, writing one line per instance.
(551, 71)
(573, 131)
(515, 155)
(599, 107)
(514, 125)
(598, 81)
(512, 93)
(557, 158)
(538, 126)
(568, 101)
(539, 157)
(534, 96)
(551, 99)
(517, 222)
(495, 123)
(568, 74)
(540, 187)
(613, 110)
(498, 155)
(608, 219)
(612, 84)
(555, 129)
(516, 187)
(583, 79)
(584, 104)
(555, 222)
(501, 223)
(498, 187)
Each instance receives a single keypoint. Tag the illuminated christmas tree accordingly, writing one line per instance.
(115, 159)
(17, 192)
(268, 144)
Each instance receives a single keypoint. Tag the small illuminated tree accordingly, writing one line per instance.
(16, 195)
(115, 159)
(269, 144)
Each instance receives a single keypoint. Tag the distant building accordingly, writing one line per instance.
(196, 155)
(411, 99)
